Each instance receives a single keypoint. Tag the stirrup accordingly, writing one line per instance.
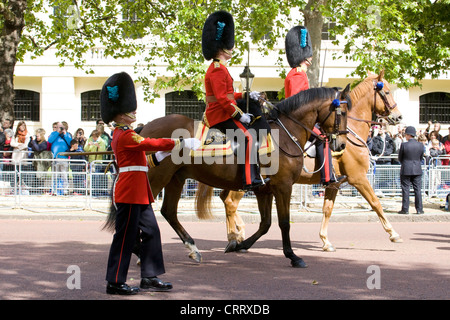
(335, 184)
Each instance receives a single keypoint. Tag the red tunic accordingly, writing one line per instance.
(295, 81)
(129, 148)
(220, 95)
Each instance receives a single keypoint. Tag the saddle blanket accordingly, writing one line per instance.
(214, 143)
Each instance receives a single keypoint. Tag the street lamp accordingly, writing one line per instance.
(246, 81)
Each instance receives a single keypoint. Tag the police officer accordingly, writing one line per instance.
(132, 195)
(410, 157)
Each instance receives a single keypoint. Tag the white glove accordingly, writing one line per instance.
(246, 118)
(254, 95)
(192, 143)
(160, 155)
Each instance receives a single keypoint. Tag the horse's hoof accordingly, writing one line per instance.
(329, 248)
(396, 239)
(138, 262)
(231, 246)
(196, 256)
(299, 264)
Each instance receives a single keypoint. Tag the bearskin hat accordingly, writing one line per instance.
(118, 96)
(217, 34)
(298, 46)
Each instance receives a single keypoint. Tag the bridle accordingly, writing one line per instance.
(335, 108)
(378, 91)
(378, 88)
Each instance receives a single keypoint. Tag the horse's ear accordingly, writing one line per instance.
(345, 91)
(381, 75)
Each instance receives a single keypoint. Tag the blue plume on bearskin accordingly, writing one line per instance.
(303, 34)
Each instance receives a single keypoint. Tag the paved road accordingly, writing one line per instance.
(35, 256)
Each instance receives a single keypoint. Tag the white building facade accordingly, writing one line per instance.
(71, 95)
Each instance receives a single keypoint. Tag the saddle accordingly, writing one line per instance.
(215, 143)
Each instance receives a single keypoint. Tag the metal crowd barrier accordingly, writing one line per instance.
(55, 184)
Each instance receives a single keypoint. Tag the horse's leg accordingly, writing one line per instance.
(235, 224)
(265, 210)
(169, 211)
(282, 200)
(327, 209)
(365, 189)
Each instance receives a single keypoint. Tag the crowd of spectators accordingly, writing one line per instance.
(384, 146)
(21, 144)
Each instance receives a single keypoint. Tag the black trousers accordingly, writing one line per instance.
(133, 220)
(250, 161)
(416, 182)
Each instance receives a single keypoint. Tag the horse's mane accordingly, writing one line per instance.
(363, 87)
(304, 97)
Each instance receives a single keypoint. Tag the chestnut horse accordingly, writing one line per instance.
(298, 114)
(367, 98)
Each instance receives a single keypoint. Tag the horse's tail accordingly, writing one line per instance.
(110, 223)
(203, 201)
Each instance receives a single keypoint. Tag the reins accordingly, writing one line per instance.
(336, 108)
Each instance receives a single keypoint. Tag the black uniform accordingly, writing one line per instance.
(410, 157)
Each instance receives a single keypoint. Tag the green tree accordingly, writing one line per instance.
(409, 39)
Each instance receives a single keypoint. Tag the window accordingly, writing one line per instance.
(327, 26)
(90, 105)
(132, 15)
(26, 105)
(435, 106)
(185, 103)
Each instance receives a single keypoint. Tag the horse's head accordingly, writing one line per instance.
(333, 119)
(384, 105)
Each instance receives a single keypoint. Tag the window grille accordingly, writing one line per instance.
(185, 103)
(326, 27)
(435, 106)
(90, 105)
(26, 105)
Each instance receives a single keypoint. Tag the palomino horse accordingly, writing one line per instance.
(367, 98)
(299, 114)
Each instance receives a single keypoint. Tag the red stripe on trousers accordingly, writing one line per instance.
(123, 241)
(326, 161)
(248, 178)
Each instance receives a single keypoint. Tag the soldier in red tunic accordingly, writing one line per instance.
(222, 110)
(132, 195)
(299, 55)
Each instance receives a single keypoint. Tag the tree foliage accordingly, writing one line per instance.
(409, 39)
